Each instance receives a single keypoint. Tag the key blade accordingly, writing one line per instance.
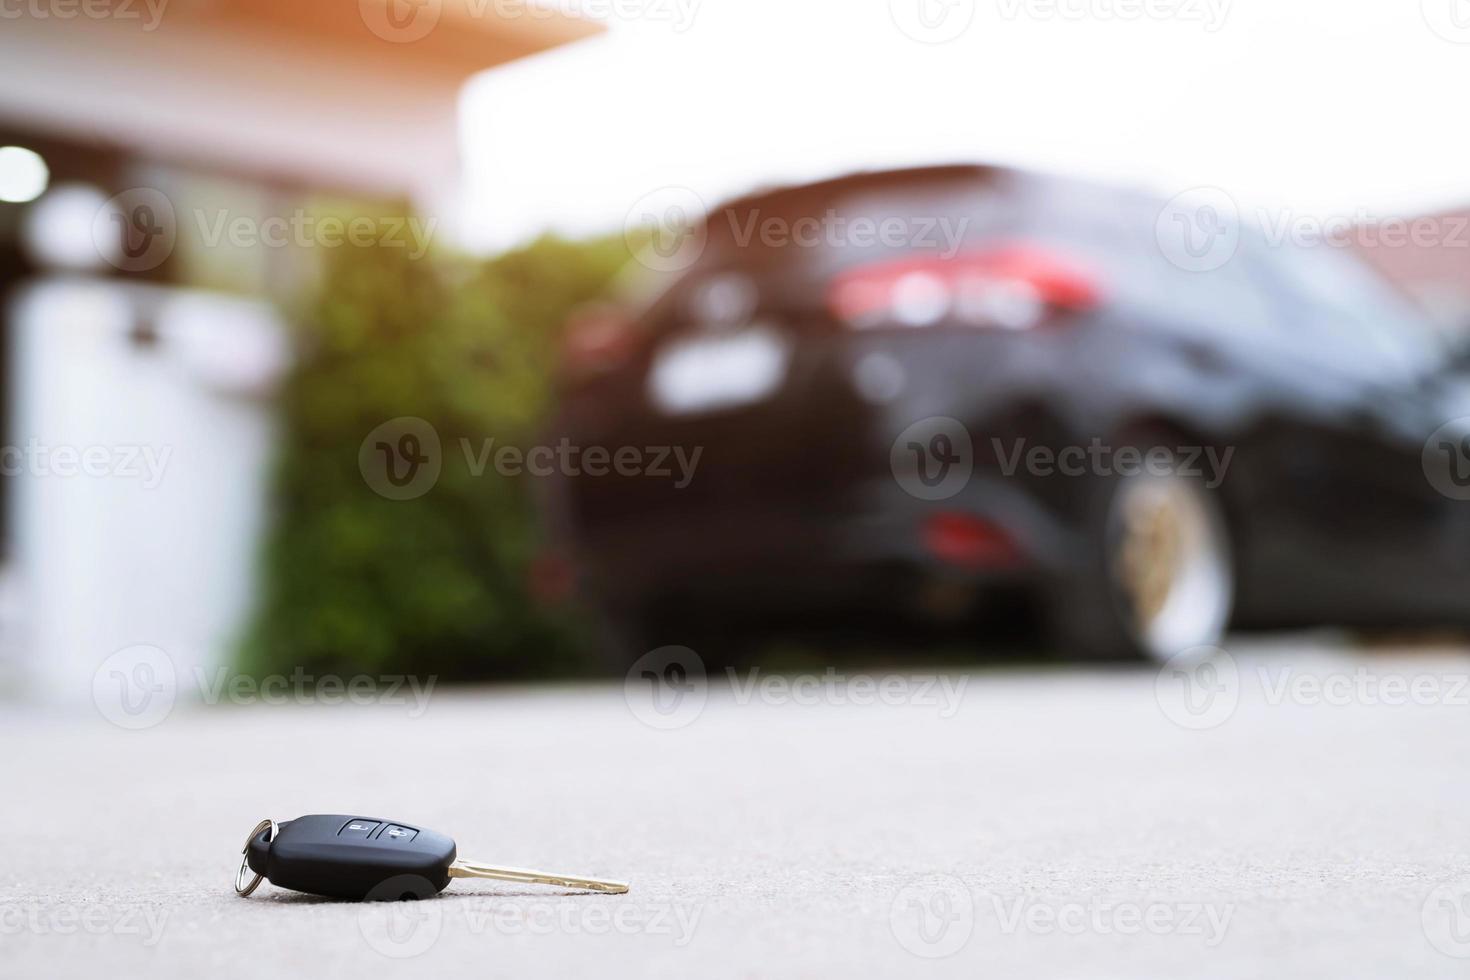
(474, 869)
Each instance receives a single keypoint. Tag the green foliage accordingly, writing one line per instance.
(351, 581)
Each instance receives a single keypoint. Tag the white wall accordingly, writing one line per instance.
(135, 556)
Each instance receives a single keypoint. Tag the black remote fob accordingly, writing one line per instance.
(339, 856)
(342, 856)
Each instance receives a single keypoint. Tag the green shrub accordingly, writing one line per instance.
(351, 581)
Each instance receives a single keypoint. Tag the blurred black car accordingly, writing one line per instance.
(916, 391)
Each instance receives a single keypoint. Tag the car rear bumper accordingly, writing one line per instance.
(882, 548)
(794, 499)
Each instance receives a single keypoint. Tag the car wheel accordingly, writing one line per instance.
(1158, 573)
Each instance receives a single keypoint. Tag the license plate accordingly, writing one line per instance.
(705, 374)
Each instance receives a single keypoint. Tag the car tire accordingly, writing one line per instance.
(1155, 574)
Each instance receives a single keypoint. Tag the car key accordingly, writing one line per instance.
(371, 858)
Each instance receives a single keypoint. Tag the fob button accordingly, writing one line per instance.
(358, 828)
(395, 832)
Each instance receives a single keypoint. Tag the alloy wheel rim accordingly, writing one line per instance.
(1170, 563)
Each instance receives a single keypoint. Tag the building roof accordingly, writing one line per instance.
(354, 93)
(437, 38)
(1428, 257)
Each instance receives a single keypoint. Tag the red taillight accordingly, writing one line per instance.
(1013, 286)
(597, 339)
(963, 539)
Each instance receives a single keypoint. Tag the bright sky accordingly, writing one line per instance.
(1327, 107)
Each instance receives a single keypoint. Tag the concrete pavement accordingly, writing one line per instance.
(1000, 823)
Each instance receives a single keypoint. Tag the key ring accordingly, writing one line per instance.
(244, 890)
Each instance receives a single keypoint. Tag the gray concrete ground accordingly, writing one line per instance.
(1017, 823)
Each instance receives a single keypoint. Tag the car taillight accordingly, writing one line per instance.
(1009, 287)
(968, 541)
(597, 339)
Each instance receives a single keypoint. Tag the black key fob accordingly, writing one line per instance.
(340, 856)
(377, 860)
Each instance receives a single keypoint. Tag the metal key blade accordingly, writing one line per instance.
(474, 869)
